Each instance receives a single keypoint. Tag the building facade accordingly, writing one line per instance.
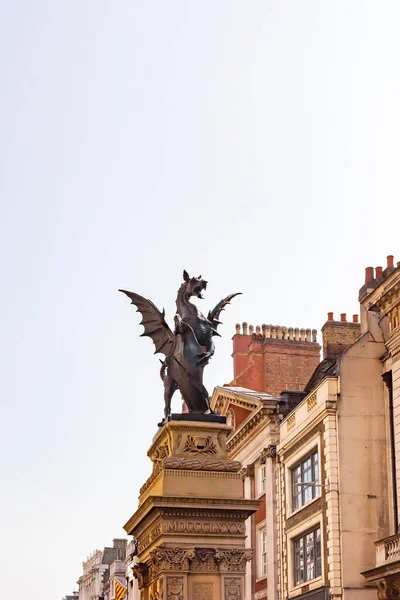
(323, 459)
(380, 301)
(100, 571)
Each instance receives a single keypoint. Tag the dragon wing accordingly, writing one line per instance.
(214, 314)
(153, 322)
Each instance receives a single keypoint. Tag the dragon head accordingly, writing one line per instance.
(194, 285)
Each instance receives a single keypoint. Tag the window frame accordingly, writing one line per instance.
(262, 478)
(302, 495)
(262, 552)
(316, 550)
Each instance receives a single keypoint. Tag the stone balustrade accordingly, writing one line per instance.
(387, 550)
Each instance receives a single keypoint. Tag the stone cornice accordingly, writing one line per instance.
(224, 399)
(263, 414)
(286, 445)
(380, 299)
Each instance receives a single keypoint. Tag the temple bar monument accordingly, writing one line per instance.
(190, 523)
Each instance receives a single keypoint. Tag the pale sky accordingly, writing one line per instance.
(256, 143)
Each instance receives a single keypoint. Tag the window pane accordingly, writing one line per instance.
(296, 478)
(316, 468)
(317, 544)
(298, 561)
(306, 471)
(307, 556)
(309, 551)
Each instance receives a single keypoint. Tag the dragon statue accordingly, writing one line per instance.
(188, 348)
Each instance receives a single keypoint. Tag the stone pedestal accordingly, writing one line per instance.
(190, 520)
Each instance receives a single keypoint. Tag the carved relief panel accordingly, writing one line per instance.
(175, 587)
(233, 588)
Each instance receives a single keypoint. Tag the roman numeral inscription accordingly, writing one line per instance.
(204, 527)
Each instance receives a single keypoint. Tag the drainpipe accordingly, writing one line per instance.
(387, 378)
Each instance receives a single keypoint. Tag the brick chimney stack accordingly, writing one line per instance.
(337, 336)
(272, 358)
(373, 279)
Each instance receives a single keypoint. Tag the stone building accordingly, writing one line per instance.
(380, 301)
(323, 460)
(269, 359)
(100, 570)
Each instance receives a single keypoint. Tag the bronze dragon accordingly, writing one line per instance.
(188, 348)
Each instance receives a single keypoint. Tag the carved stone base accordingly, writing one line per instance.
(190, 520)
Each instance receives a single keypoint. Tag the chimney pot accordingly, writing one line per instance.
(251, 329)
(398, 264)
(378, 272)
(244, 325)
(238, 328)
(390, 260)
(355, 318)
(343, 317)
(330, 316)
(369, 274)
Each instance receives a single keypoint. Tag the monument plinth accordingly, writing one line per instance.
(190, 520)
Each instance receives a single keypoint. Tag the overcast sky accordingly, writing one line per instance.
(256, 143)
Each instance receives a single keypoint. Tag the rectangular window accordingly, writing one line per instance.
(305, 472)
(262, 479)
(307, 556)
(262, 553)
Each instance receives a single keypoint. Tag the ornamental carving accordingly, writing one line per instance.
(291, 422)
(389, 588)
(150, 536)
(196, 464)
(204, 562)
(247, 472)
(160, 452)
(171, 559)
(141, 573)
(200, 445)
(175, 588)
(312, 401)
(233, 589)
(233, 560)
(156, 590)
(268, 452)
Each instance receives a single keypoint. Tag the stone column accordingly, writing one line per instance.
(190, 522)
